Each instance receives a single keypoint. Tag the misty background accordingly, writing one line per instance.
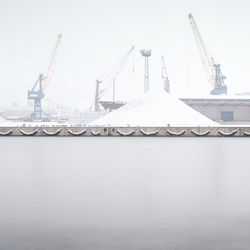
(96, 34)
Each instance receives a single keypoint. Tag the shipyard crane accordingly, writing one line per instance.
(212, 70)
(164, 76)
(113, 74)
(37, 92)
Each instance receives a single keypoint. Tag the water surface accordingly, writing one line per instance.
(124, 193)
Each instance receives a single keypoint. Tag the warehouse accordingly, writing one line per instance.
(224, 110)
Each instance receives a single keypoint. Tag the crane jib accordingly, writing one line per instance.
(212, 70)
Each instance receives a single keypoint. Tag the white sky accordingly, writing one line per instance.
(96, 34)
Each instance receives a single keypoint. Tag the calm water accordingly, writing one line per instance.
(124, 193)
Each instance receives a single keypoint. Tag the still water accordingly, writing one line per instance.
(124, 193)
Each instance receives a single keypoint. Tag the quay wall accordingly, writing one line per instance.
(127, 131)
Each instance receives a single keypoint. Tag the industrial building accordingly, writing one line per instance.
(224, 110)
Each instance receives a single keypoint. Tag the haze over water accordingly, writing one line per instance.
(124, 193)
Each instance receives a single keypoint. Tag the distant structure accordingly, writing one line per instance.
(212, 70)
(146, 54)
(166, 85)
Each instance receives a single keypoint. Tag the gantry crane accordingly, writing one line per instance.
(37, 92)
(166, 85)
(212, 70)
(113, 74)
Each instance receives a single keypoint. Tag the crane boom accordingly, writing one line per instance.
(113, 74)
(207, 63)
(50, 71)
(212, 70)
(122, 63)
(120, 67)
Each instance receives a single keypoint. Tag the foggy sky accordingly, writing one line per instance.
(96, 34)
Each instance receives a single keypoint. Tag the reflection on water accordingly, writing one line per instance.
(124, 193)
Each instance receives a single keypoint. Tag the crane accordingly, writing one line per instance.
(164, 76)
(113, 74)
(37, 92)
(212, 70)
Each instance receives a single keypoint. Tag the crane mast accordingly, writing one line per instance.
(166, 85)
(212, 70)
(37, 92)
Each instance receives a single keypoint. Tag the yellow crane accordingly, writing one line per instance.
(37, 92)
(212, 70)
